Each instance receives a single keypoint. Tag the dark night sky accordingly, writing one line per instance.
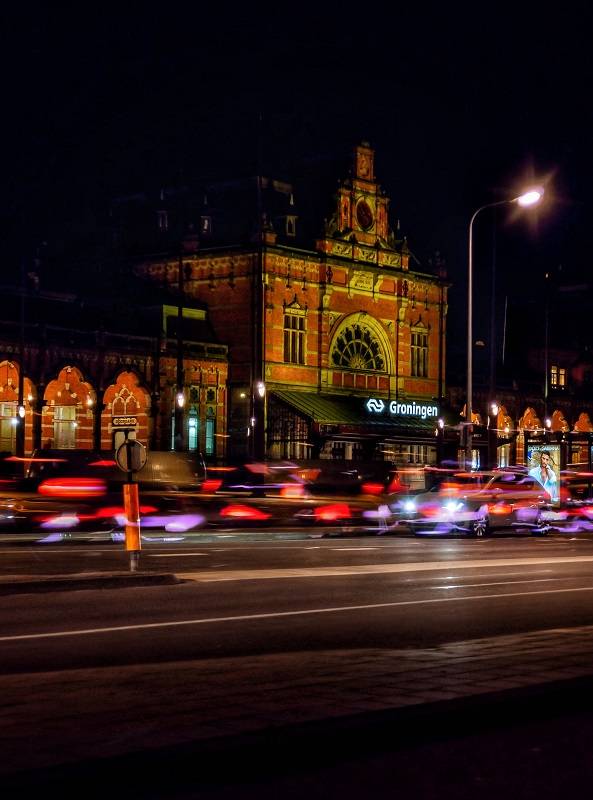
(463, 103)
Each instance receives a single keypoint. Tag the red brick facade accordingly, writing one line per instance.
(358, 282)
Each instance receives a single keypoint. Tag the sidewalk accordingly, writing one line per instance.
(24, 584)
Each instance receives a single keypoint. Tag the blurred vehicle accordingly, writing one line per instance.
(11, 472)
(256, 479)
(476, 504)
(340, 478)
(164, 470)
(67, 492)
(573, 511)
(293, 480)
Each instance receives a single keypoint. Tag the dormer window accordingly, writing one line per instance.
(291, 225)
(557, 377)
(162, 221)
(205, 225)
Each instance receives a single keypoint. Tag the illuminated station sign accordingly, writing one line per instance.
(397, 408)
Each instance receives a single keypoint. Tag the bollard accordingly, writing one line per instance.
(132, 512)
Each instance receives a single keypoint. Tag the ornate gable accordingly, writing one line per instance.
(359, 228)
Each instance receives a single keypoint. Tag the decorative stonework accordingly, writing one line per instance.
(362, 280)
(357, 348)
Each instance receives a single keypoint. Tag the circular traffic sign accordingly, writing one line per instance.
(131, 456)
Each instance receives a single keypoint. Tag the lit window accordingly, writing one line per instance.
(294, 338)
(419, 354)
(557, 377)
(65, 427)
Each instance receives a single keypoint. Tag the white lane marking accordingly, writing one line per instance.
(277, 614)
(175, 555)
(497, 583)
(369, 569)
(355, 549)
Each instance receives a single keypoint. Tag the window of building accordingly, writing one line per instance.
(288, 433)
(338, 450)
(193, 430)
(162, 221)
(557, 377)
(419, 354)
(210, 432)
(294, 338)
(357, 348)
(411, 453)
(7, 427)
(291, 226)
(65, 427)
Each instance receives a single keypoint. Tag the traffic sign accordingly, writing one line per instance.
(123, 423)
(131, 456)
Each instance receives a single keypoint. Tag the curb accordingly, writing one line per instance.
(61, 583)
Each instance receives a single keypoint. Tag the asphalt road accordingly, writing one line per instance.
(261, 635)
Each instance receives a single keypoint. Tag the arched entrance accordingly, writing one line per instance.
(67, 421)
(125, 398)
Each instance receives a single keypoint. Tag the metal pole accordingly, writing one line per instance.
(468, 405)
(20, 428)
(178, 408)
(492, 377)
(546, 348)
(470, 271)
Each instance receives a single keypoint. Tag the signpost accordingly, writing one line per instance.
(131, 457)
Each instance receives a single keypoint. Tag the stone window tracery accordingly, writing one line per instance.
(356, 347)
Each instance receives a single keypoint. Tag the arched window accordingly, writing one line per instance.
(356, 347)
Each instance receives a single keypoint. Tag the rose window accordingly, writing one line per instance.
(357, 348)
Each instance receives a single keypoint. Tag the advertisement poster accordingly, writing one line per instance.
(543, 463)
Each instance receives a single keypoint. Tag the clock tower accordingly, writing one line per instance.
(358, 228)
(362, 206)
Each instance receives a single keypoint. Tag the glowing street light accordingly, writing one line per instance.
(530, 198)
(527, 199)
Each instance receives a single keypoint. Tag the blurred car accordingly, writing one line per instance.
(573, 511)
(69, 493)
(164, 470)
(477, 504)
(254, 479)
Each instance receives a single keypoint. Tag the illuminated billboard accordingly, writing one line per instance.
(543, 463)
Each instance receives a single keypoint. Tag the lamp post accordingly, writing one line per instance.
(493, 435)
(528, 198)
(178, 412)
(258, 420)
(20, 419)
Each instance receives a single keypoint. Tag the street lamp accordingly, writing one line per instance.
(493, 435)
(526, 199)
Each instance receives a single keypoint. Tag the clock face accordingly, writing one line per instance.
(364, 215)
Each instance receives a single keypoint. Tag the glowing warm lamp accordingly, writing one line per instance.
(531, 197)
